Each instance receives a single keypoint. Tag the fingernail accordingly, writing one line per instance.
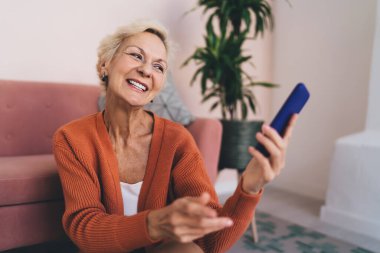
(265, 127)
(229, 223)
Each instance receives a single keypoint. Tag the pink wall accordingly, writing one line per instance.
(57, 41)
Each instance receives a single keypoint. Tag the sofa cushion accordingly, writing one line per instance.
(30, 224)
(28, 179)
(31, 112)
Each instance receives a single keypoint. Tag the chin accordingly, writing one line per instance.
(137, 104)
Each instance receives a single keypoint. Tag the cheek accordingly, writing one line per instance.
(159, 82)
(123, 65)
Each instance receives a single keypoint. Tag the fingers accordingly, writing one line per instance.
(280, 142)
(190, 218)
(270, 145)
(181, 225)
(289, 128)
(259, 156)
(273, 142)
(200, 227)
(275, 146)
(263, 162)
(273, 137)
(196, 206)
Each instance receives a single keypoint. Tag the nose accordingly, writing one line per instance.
(145, 70)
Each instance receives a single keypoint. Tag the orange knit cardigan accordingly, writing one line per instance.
(88, 170)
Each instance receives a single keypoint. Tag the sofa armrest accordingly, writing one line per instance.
(207, 134)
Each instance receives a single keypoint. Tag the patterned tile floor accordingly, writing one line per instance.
(277, 235)
(304, 211)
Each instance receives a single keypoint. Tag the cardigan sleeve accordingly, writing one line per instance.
(190, 179)
(85, 219)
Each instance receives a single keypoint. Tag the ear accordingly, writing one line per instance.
(105, 67)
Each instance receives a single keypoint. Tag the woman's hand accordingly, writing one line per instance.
(261, 170)
(185, 220)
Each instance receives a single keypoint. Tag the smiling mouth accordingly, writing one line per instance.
(139, 86)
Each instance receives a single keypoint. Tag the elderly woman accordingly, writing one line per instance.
(135, 182)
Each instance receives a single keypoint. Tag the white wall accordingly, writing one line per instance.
(57, 40)
(356, 163)
(328, 45)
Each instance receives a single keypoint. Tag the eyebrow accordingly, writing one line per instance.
(142, 50)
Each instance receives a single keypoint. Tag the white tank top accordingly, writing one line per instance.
(130, 194)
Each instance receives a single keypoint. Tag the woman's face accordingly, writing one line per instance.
(138, 71)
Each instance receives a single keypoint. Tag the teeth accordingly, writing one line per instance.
(137, 85)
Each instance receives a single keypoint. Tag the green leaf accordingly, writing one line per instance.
(211, 36)
(191, 10)
(251, 102)
(264, 84)
(224, 112)
(242, 59)
(243, 109)
(204, 83)
(218, 75)
(195, 75)
(192, 57)
(210, 95)
(250, 79)
(214, 105)
(247, 18)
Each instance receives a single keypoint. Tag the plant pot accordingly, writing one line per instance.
(237, 137)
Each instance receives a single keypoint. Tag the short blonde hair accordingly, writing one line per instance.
(111, 43)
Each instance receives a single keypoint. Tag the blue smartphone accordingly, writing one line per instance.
(293, 104)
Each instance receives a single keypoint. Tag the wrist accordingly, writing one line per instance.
(248, 186)
(153, 229)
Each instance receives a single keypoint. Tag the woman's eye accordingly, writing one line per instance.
(159, 67)
(136, 56)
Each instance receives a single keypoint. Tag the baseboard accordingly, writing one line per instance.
(351, 222)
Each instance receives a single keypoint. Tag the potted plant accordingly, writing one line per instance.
(222, 77)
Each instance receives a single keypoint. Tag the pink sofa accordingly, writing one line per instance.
(31, 201)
